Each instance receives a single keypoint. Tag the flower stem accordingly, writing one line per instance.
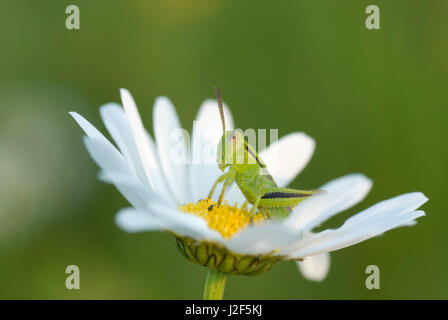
(214, 285)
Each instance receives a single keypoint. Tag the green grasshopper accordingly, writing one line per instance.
(250, 174)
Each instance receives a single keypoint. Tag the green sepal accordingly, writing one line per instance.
(218, 257)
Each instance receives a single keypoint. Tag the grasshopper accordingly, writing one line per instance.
(251, 175)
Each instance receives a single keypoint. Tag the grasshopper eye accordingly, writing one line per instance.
(230, 137)
(233, 139)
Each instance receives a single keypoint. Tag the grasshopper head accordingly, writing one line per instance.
(230, 149)
(231, 146)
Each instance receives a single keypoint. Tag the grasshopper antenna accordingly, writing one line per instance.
(221, 110)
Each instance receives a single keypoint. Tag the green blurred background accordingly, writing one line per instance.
(375, 101)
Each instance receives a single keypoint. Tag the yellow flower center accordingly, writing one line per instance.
(225, 219)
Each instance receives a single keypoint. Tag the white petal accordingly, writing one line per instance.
(332, 240)
(114, 167)
(349, 190)
(400, 204)
(376, 220)
(88, 128)
(261, 238)
(234, 195)
(106, 156)
(342, 193)
(120, 129)
(287, 157)
(316, 267)
(207, 131)
(172, 149)
(131, 220)
(146, 152)
(131, 188)
(182, 223)
(100, 149)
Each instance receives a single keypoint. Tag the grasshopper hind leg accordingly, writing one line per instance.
(279, 202)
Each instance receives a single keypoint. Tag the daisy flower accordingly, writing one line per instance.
(171, 195)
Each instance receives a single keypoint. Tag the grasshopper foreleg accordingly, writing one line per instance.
(228, 180)
(221, 178)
